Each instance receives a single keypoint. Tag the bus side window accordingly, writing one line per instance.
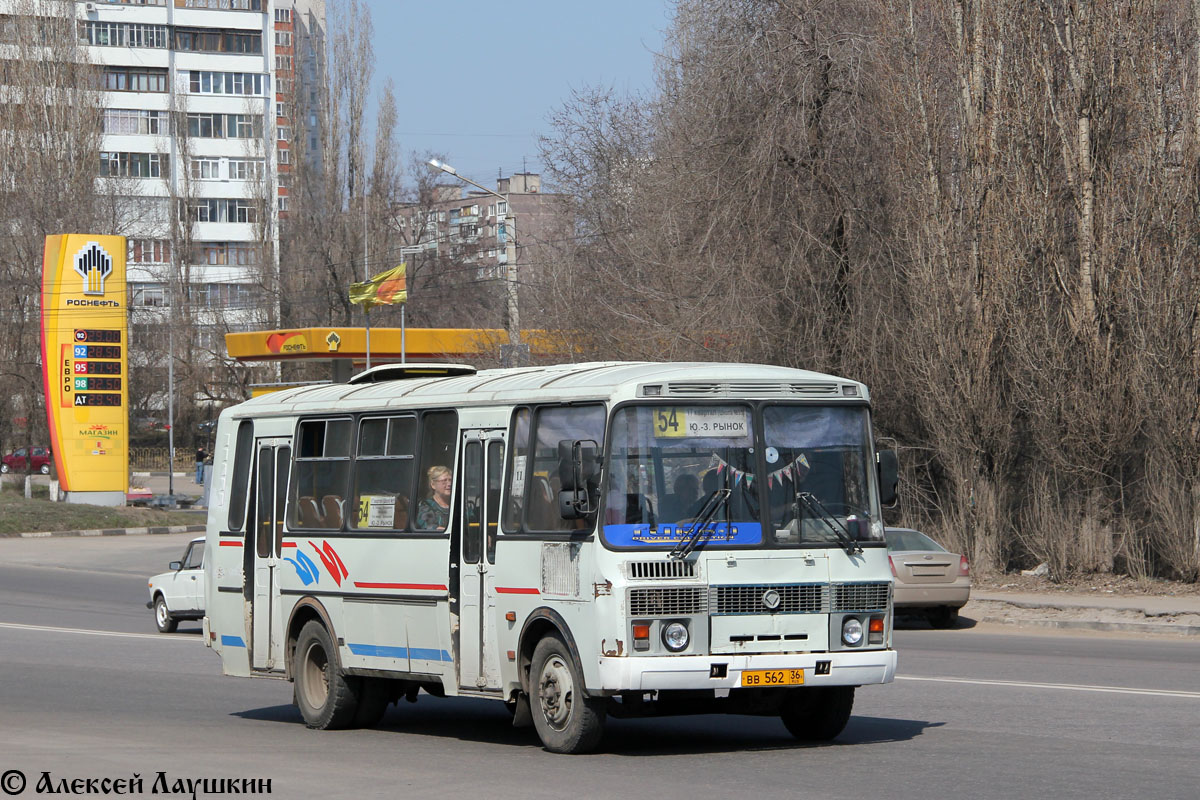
(552, 425)
(243, 452)
(517, 469)
(322, 470)
(435, 489)
(383, 473)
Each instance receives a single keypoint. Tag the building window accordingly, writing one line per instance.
(283, 63)
(285, 156)
(135, 121)
(205, 169)
(282, 38)
(283, 132)
(224, 126)
(208, 40)
(122, 34)
(283, 203)
(148, 295)
(222, 211)
(149, 251)
(240, 83)
(283, 15)
(223, 254)
(130, 79)
(227, 5)
(134, 165)
(246, 169)
(135, 2)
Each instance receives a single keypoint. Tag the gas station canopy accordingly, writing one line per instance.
(419, 344)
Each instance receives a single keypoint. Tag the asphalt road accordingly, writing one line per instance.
(89, 690)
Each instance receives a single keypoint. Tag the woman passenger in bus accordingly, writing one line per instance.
(433, 513)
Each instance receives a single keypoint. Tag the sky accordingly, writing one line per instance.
(477, 81)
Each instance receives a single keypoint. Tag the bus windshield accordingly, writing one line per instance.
(665, 465)
(817, 474)
(810, 470)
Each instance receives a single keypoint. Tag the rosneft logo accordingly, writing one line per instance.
(287, 343)
(93, 265)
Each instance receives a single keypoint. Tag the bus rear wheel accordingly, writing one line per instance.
(566, 719)
(817, 715)
(326, 698)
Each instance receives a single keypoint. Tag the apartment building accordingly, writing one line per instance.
(473, 227)
(299, 45)
(189, 143)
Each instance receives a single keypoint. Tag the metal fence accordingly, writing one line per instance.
(154, 459)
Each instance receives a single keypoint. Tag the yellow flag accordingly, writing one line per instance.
(385, 289)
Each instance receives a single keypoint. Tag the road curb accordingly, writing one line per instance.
(1093, 625)
(149, 531)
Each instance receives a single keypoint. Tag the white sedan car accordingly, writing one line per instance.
(179, 594)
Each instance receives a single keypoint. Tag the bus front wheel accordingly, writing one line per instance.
(817, 715)
(566, 719)
(325, 696)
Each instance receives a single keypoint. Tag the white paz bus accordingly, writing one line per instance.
(577, 541)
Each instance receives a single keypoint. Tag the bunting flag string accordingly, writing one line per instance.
(793, 472)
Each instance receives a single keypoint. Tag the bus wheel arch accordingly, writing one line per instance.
(305, 611)
(539, 624)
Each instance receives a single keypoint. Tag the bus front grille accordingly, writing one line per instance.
(655, 570)
(794, 598)
(861, 596)
(668, 601)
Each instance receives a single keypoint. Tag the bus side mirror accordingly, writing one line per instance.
(578, 469)
(175, 566)
(889, 476)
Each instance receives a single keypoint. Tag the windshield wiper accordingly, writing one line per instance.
(819, 511)
(715, 501)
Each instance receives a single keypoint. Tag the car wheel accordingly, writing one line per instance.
(162, 616)
(4, 468)
(944, 617)
(817, 715)
(45, 470)
(327, 699)
(566, 719)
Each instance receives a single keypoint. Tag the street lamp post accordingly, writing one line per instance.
(516, 350)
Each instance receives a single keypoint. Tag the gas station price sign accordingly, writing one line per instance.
(84, 340)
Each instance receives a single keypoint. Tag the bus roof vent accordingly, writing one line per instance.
(656, 570)
(695, 389)
(752, 389)
(400, 372)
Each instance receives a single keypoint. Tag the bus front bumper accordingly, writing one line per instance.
(649, 673)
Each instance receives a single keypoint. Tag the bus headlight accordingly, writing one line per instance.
(675, 636)
(852, 631)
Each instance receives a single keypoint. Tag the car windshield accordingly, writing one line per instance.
(668, 462)
(901, 539)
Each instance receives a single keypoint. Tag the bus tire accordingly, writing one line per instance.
(817, 715)
(327, 699)
(162, 616)
(375, 695)
(566, 719)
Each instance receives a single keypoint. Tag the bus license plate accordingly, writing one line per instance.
(772, 677)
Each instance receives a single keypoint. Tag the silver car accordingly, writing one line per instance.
(179, 594)
(930, 580)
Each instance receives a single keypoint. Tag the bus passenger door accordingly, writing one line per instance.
(272, 464)
(482, 468)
